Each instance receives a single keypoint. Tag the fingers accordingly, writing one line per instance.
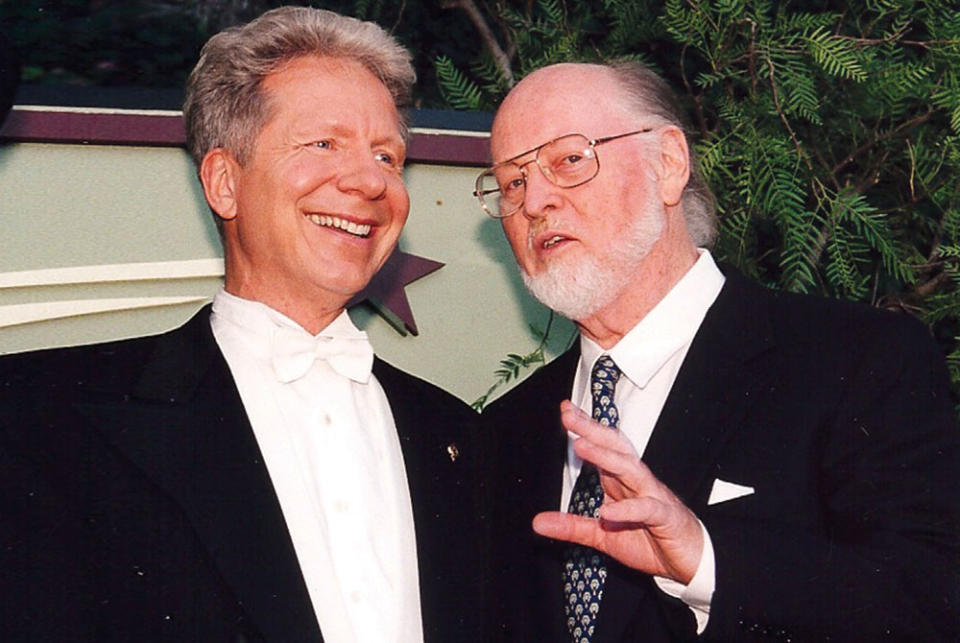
(627, 468)
(635, 513)
(576, 421)
(632, 513)
(569, 527)
(610, 451)
(676, 536)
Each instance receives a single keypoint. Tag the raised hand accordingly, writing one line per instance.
(642, 523)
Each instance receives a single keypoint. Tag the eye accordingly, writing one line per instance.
(569, 163)
(323, 144)
(388, 159)
(511, 187)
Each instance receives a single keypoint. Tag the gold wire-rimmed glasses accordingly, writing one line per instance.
(566, 161)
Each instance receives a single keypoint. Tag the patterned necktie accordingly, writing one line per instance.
(585, 570)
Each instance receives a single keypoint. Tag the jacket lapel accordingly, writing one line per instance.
(443, 458)
(185, 427)
(721, 376)
(544, 457)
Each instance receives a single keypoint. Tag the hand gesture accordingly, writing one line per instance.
(641, 524)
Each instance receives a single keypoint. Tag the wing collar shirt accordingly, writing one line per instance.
(649, 357)
(331, 447)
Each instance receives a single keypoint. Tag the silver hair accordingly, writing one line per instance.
(647, 93)
(226, 105)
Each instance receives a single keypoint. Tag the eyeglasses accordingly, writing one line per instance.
(567, 161)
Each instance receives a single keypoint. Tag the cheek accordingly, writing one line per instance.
(400, 205)
(304, 176)
(516, 232)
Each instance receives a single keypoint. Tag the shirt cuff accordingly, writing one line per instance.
(699, 592)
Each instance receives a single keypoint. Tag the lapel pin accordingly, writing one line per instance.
(453, 451)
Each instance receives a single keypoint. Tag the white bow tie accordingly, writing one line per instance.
(294, 353)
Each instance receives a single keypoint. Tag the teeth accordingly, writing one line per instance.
(360, 230)
(552, 241)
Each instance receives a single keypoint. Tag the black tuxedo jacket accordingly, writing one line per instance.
(836, 415)
(136, 505)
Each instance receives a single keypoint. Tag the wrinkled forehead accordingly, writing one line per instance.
(564, 99)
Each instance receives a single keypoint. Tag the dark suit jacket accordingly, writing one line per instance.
(136, 506)
(836, 414)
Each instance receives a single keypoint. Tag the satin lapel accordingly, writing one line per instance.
(722, 374)
(185, 428)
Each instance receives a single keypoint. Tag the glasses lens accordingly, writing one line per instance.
(501, 190)
(569, 160)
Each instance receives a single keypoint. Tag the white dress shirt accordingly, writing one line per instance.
(649, 357)
(334, 458)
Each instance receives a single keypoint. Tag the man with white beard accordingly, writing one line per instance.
(759, 465)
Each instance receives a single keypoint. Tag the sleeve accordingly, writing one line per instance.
(697, 593)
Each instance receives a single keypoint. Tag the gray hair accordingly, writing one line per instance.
(225, 103)
(647, 93)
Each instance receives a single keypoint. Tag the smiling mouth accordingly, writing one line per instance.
(325, 220)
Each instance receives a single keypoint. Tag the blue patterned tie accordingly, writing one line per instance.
(585, 570)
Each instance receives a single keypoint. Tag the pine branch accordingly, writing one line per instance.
(697, 98)
(931, 286)
(899, 129)
(486, 35)
(783, 118)
(511, 367)
(752, 59)
(403, 7)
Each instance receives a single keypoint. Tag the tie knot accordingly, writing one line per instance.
(295, 352)
(605, 371)
(603, 382)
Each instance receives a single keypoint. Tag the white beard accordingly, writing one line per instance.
(578, 289)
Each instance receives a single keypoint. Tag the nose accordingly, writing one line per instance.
(364, 177)
(540, 194)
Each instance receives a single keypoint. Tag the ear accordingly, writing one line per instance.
(219, 174)
(674, 167)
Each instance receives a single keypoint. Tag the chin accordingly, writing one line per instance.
(575, 291)
(578, 288)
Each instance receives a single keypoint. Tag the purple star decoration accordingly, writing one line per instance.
(386, 290)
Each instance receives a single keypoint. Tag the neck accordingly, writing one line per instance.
(312, 315)
(668, 261)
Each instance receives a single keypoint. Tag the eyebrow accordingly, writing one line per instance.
(341, 131)
(592, 141)
(530, 151)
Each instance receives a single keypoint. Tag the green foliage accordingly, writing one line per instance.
(87, 43)
(513, 365)
(456, 88)
(831, 136)
(155, 43)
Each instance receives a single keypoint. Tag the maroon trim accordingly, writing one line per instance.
(452, 149)
(106, 129)
(138, 129)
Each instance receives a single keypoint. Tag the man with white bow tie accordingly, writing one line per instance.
(257, 474)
